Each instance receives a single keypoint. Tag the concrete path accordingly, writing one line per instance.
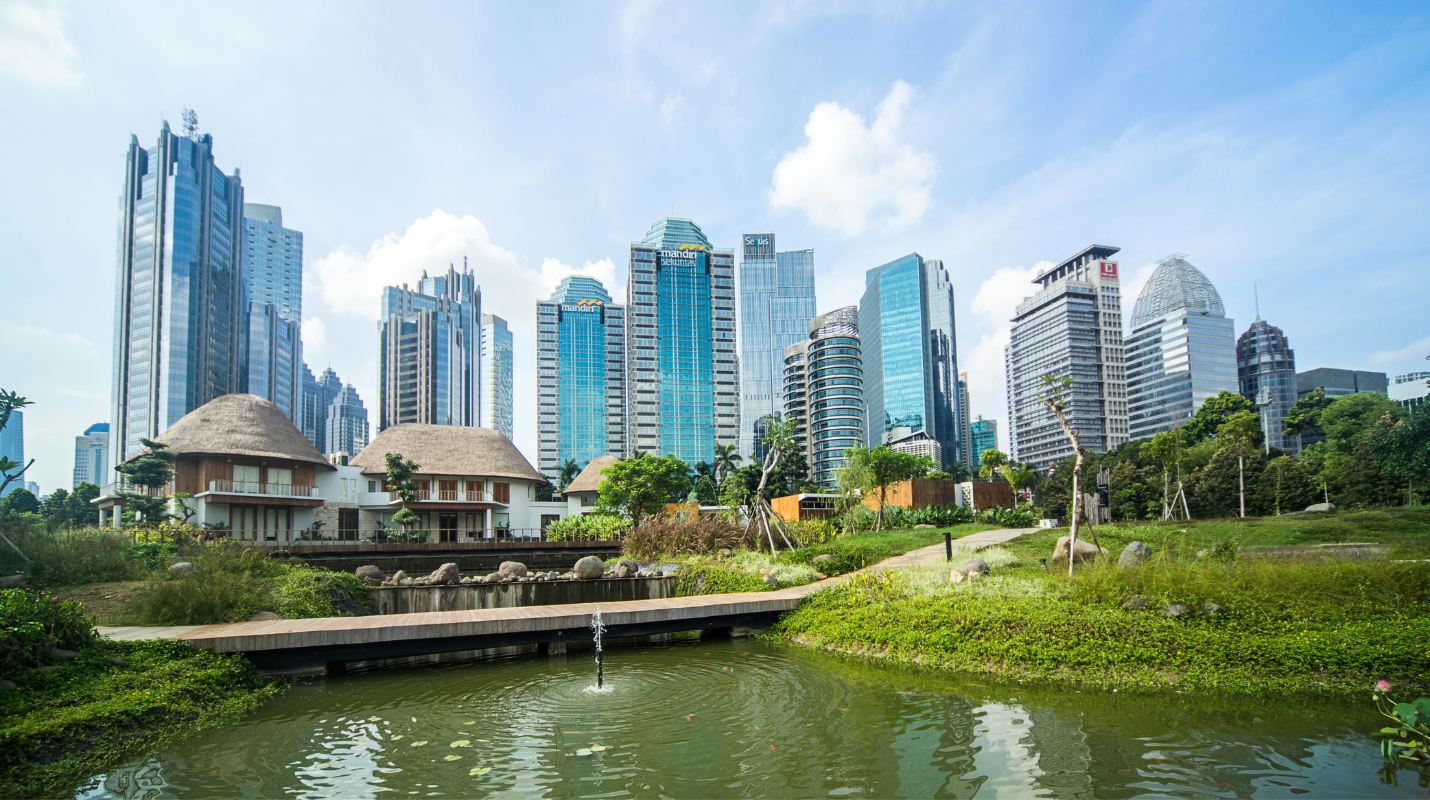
(344, 636)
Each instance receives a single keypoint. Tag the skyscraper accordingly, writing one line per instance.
(1341, 382)
(496, 371)
(1181, 349)
(824, 390)
(318, 395)
(906, 323)
(179, 310)
(345, 429)
(430, 352)
(1410, 389)
(985, 437)
(91, 456)
(776, 304)
(273, 272)
(580, 375)
(1265, 360)
(965, 431)
(1070, 328)
(12, 446)
(682, 366)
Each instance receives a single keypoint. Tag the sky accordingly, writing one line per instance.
(1281, 146)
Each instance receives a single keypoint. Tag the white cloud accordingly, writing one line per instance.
(315, 336)
(33, 44)
(850, 175)
(1420, 349)
(552, 271)
(995, 303)
(68, 338)
(1132, 287)
(670, 107)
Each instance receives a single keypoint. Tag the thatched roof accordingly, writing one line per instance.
(447, 450)
(240, 425)
(590, 478)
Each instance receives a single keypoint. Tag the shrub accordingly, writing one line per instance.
(33, 622)
(713, 579)
(814, 531)
(1008, 517)
(61, 557)
(588, 527)
(667, 538)
(304, 593)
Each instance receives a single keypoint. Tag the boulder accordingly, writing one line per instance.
(370, 575)
(924, 526)
(658, 574)
(974, 565)
(819, 576)
(1174, 610)
(1324, 508)
(181, 568)
(770, 580)
(446, 575)
(62, 655)
(974, 575)
(512, 569)
(1086, 551)
(1133, 554)
(493, 577)
(263, 615)
(1135, 603)
(724, 552)
(6, 686)
(821, 559)
(401, 579)
(589, 568)
(956, 576)
(1213, 609)
(10, 581)
(627, 569)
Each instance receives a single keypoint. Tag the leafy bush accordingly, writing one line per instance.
(713, 579)
(1008, 517)
(667, 538)
(788, 574)
(305, 593)
(61, 557)
(814, 531)
(33, 622)
(900, 517)
(593, 527)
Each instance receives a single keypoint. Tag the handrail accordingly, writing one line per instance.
(443, 496)
(279, 537)
(268, 489)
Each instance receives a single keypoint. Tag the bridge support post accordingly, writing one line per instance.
(717, 633)
(555, 647)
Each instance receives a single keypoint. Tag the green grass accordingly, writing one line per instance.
(118, 701)
(1292, 626)
(854, 552)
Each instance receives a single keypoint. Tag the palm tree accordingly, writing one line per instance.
(958, 472)
(702, 469)
(990, 460)
(569, 470)
(1017, 475)
(727, 460)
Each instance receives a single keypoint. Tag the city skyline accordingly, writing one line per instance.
(837, 145)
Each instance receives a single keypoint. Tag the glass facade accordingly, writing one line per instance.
(984, 433)
(580, 352)
(273, 274)
(681, 359)
(776, 303)
(1265, 360)
(834, 385)
(496, 375)
(430, 352)
(91, 456)
(317, 398)
(180, 321)
(346, 428)
(906, 321)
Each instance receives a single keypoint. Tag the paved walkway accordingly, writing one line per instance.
(356, 632)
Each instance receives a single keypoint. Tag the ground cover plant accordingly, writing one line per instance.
(1322, 626)
(69, 557)
(116, 702)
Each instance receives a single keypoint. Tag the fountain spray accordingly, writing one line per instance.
(597, 629)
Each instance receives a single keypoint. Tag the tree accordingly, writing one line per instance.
(1241, 431)
(81, 504)
(1285, 484)
(850, 478)
(705, 491)
(881, 467)
(779, 444)
(640, 486)
(569, 470)
(1213, 490)
(22, 501)
(1404, 450)
(1018, 476)
(727, 460)
(1129, 493)
(55, 506)
(989, 461)
(399, 480)
(1213, 412)
(150, 470)
(1350, 469)
(1304, 415)
(1166, 447)
(958, 472)
(1054, 398)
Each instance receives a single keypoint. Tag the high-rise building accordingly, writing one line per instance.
(906, 323)
(965, 436)
(1265, 360)
(91, 456)
(430, 352)
(496, 369)
(984, 433)
(580, 375)
(1410, 389)
(317, 397)
(180, 312)
(1181, 349)
(827, 393)
(794, 395)
(776, 304)
(273, 272)
(681, 363)
(12, 446)
(1341, 382)
(345, 429)
(1070, 328)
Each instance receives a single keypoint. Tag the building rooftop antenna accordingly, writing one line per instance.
(1256, 298)
(191, 124)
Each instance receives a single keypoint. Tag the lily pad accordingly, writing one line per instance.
(585, 751)
(399, 736)
(462, 743)
(596, 748)
(474, 771)
(419, 744)
(473, 722)
(451, 758)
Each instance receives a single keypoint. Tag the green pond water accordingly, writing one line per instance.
(738, 718)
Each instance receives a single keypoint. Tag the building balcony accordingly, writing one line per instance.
(262, 489)
(441, 496)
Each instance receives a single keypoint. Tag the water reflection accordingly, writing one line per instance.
(748, 719)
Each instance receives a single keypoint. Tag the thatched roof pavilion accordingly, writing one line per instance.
(240, 425)
(590, 478)
(447, 450)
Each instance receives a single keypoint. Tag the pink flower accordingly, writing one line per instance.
(1382, 686)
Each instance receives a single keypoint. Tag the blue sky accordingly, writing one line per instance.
(1281, 144)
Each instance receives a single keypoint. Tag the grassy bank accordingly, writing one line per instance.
(1288, 627)
(116, 702)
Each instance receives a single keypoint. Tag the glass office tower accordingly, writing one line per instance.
(829, 388)
(682, 366)
(430, 351)
(273, 271)
(91, 456)
(1265, 360)
(776, 304)
(346, 429)
(496, 375)
(180, 307)
(985, 437)
(580, 375)
(906, 321)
